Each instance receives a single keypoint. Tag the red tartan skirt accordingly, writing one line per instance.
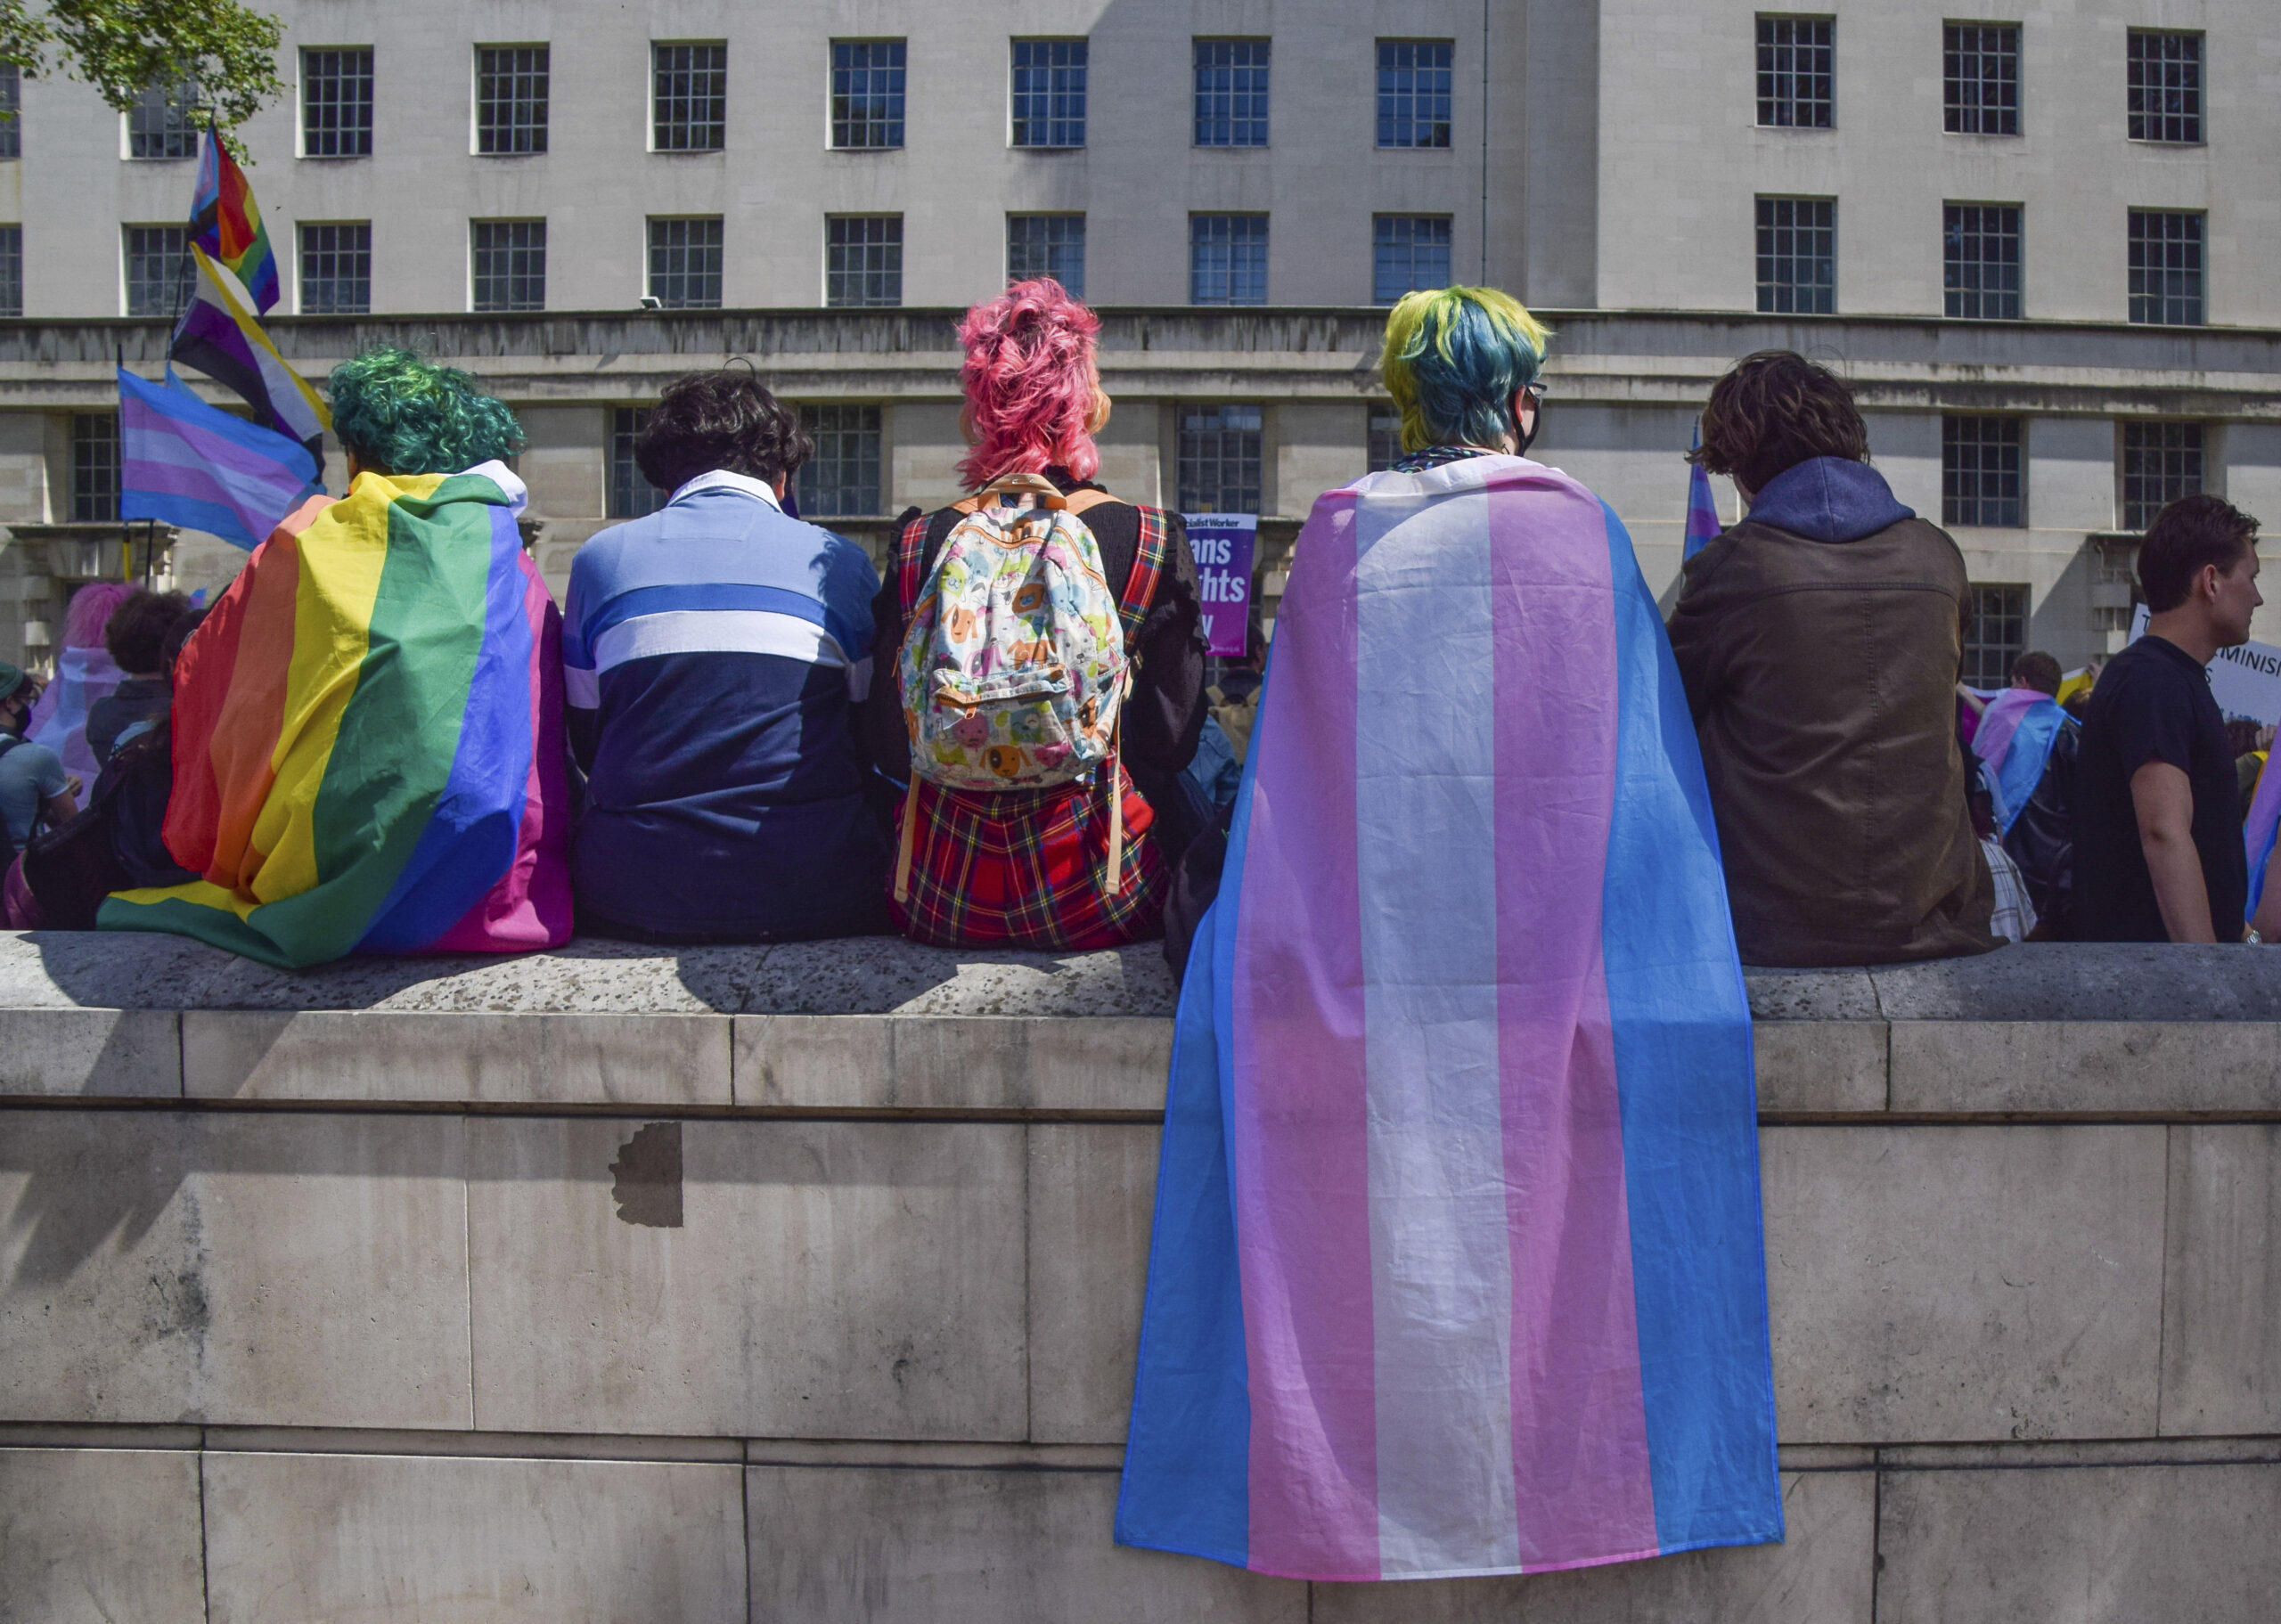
(1028, 867)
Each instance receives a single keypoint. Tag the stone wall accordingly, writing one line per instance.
(801, 1283)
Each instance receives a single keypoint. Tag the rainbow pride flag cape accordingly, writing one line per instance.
(1457, 1265)
(225, 224)
(368, 737)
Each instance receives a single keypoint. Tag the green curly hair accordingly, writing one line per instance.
(398, 414)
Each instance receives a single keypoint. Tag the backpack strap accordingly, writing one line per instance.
(1151, 558)
(909, 561)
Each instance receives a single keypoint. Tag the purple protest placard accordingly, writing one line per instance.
(1222, 543)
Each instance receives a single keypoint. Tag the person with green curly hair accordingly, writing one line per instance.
(394, 413)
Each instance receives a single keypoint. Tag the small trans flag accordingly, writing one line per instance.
(1701, 510)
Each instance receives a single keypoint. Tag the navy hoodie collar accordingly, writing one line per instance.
(1828, 499)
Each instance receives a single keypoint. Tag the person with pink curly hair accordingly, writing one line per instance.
(1029, 868)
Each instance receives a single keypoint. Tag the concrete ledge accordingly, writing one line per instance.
(964, 1063)
(131, 1054)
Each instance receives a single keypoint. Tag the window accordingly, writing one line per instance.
(95, 466)
(509, 264)
(1981, 78)
(1979, 471)
(867, 92)
(1219, 458)
(337, 103)
(631, 494)
(843, 478)
(2165, 82)
(1797, 256)
(337, 269)
(685, 262)
(511, 99)
(11, 110)
(1998, 635)
(163, 122)
(1231, 92)
(1385, 438)
(2161, 463)
(11, 270)
(1227, 259)
(2165, 268)
(1980, 249)
(863, 260)
(1414, 79)
(1049, 93)
(689, 102)
(1047, 245)
(1797, 76)
(160, 272)
(1408, 252)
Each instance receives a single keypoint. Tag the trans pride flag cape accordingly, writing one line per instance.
(2259, 828)
(2014, 738)
(368, 737)
(1458, 1265)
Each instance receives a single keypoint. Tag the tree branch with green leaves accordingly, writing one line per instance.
(122, 47)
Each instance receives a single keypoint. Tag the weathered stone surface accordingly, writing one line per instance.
(2100, 1545)
(101, 1053)
(1820, 1065)
(2221, 1332)
(975, 1547)
(1811, 995)
(1936, 1283)
(296, 1537)
(874, 974)
(401, 1055)
(953, 1063)
(1819, 1572)
(2087, 981)
(178, 1266)
(827, 1280)
(1093, 1187)
(91, 1536)
(2086, 1065)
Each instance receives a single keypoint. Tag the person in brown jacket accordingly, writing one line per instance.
(1820, 641)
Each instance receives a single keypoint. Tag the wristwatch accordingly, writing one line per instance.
(2250, 936)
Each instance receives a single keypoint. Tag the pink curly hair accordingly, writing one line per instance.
(1029, 383)
(90, 612)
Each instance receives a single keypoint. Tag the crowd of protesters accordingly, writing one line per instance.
(772, 743)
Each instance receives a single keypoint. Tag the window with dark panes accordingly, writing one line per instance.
(1050, 93)
(867, 79)
(510, 94)
(160, 272)
(164, 122)
(2164, 79)
(689, 97)
(1979, 85)
(1797, 256)
(337, 102)
(1408, 252)
(1231, 92)
(1047, 245)
(11, 270)
(2161, 463)
(631, 494)
(2166, 268)
(509, 264)
(1385, 444)
(1227, 259)
(11, 110)
(1797, 72)
(1415, 80)
(1981, 477)
(337, 268)
(1219, 458)
(863, 260)
(685, 262)
(95, 466)
(1979, 253)
(1997, 636)
(842, 479)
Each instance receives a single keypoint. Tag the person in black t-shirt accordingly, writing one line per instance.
(2158, 829)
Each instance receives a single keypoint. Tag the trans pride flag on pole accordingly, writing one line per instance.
(185, 463)
(1458, 1265)
(226, 225)
(368, 742)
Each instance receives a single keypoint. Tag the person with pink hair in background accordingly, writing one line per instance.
(1031, 866)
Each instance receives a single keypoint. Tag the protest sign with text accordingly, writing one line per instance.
(1223, 544)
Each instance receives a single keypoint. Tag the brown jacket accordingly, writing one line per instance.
(1822, 673)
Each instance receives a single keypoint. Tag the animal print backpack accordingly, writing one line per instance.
(1013, 667)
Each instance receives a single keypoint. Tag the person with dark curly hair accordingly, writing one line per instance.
(1820, 641)
(714, 654)
(134, 637)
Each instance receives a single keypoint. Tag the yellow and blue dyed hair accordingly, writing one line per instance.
(401, 415)
(1453, 359)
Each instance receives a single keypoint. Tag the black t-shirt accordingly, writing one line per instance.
(2152, 703)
